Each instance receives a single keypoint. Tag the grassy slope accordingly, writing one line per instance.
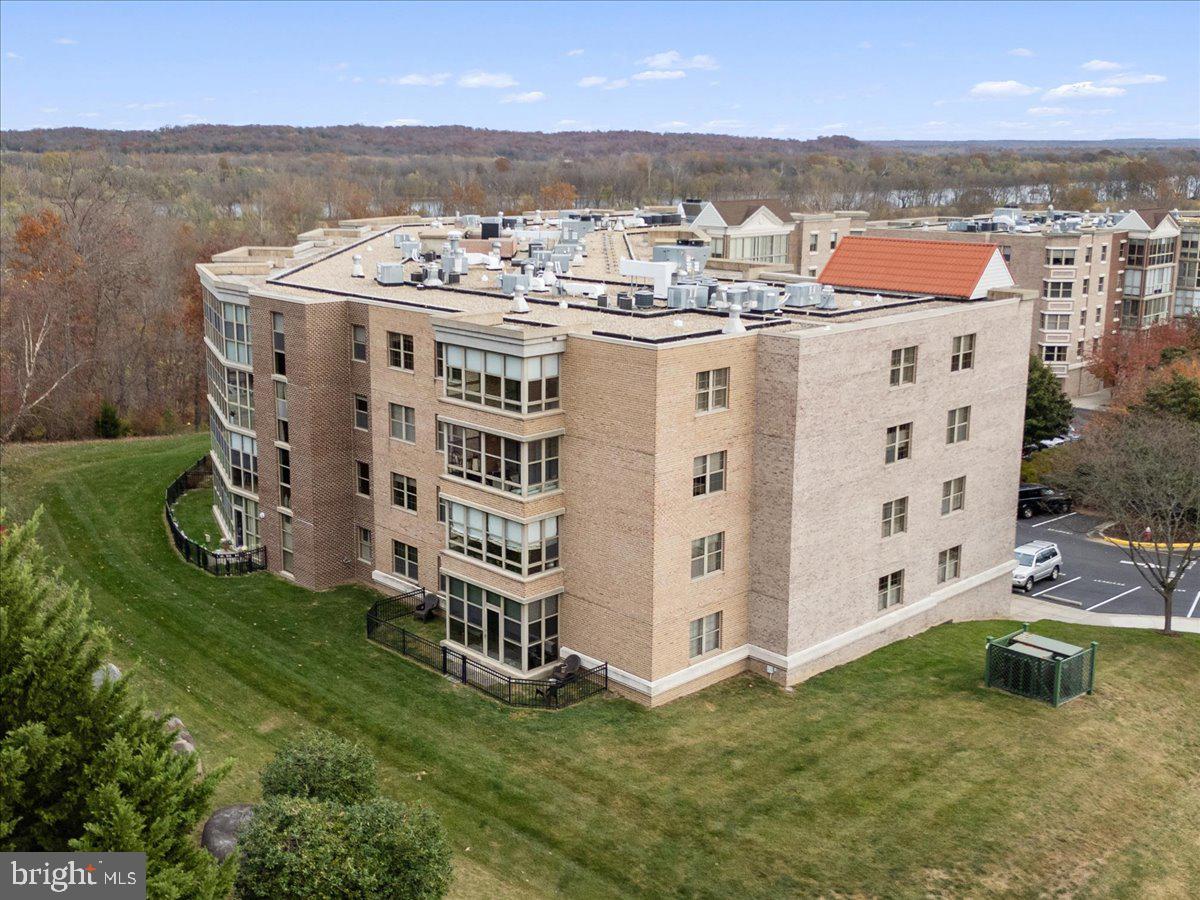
(193, 512)
(895, 775)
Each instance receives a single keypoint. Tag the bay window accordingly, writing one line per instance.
(521, 635)
(523, 549)
(518, 467)
(500, 381)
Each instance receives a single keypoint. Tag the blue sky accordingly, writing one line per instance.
(871, 70)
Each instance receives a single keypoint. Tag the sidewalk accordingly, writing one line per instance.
(1093, 402)
(1025, 609)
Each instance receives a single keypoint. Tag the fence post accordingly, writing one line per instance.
(463, 667)
(1057, 682)
(1092, 668)
(987, 663)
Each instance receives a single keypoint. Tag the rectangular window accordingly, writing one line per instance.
(1087, 253)
(358, 343)
(400, 351)
(243, 462)
(1086, 283)
(362, 478)
(708, 554)
(1100, 285)
(1079, 349)
(891, 589)
(239, 398)
(285, 542)
(962, 353)
(895, 517)
(283, 431)
(362, 412)
(404, 492)
(521, 635)
(525, 549)
(949, 564)
(1082, 318)
(904, 366)
(439, 359)
(1057, 290)
(1060, 256)
(704, 635)
(1103, 252)
(236, 336)
(712, 390)
(899, 443)
(402, 422)
(278, 343)
(833, 236)
(954, 494)
(958, 425)
(404, 560)
(1056, 321)
(486, 458)
(708, 473)
(812, 241)
(501, 381)
(366, 552)
(1054, 353)
(285, 478)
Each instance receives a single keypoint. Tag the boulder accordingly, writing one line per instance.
(106, 673)
(221, 829)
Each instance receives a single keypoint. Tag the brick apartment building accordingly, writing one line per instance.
(729, 477)
(1076, 264)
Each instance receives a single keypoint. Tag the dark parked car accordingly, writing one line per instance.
(1038, 498)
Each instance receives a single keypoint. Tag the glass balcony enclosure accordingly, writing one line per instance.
(523, 549)
(523, 636)
(502, 381)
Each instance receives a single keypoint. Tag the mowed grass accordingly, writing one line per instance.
(896, 775)
(193, 513)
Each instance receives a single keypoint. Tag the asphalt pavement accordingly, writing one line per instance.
(1098, 576)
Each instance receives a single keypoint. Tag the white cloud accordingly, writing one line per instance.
(675, 123)
(723, 123)
(565, 122)
(1101, 65)
(1002, 89)
(591, 81)
(158, 104)
(526, 97)
(660, 75)
(616, 84)
(487, 80)
(89, 115)
(865, 45)
(1135, 79)
(673, 59)
(1082, 89)
(578, 51)
(189, 117)
(402, 122)
(1047, 111)
(418, 79)
(832, 126)
(65, 41)
(1020, 51)
(49, 109)
(11, 55)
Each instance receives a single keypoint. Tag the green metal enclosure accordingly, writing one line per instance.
(1039, 667)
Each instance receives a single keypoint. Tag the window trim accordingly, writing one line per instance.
(712, 547)
(705, 629)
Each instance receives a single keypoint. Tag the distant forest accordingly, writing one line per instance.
(100, 230)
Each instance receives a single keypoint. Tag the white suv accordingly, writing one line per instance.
(1035, 561)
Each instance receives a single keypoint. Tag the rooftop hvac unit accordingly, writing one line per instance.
(803, 294)
(736, 293)
(684, 296)
(828, 298)
(624, 300)
(489, 227)
(510, 281)
(643, 299)
(389, 273)
(764, 298)
(409, 246)
(540, 255)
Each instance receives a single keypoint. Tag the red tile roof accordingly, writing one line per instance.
(940, 268)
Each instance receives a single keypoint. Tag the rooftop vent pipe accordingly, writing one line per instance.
(827, 298)
(734, 324)
(357, 270)
(520, 304)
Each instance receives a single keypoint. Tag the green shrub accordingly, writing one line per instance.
(109, 423)
(1038, 467)
(321, 766)
(300, 848)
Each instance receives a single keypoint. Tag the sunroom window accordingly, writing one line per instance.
(521, 635)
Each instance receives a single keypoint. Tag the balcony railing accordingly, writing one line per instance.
(385, 621)
(216, 562)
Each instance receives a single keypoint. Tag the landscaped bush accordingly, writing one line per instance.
(1040, 465)
(301, 848)
(321, 766)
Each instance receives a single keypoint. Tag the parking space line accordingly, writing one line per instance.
(1117, 597)
(1056, 586)
(1048, 521)
(1194, 604)
(1061, 599)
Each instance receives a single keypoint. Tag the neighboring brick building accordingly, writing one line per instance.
(684, 492)
(817, 235)
(1075, 263)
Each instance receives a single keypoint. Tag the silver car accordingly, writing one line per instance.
(1035, 561)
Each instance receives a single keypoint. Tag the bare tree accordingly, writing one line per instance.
(1143, 472)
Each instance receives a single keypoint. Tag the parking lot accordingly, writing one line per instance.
(1098, 576)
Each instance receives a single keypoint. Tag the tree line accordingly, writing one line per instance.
(100, 303)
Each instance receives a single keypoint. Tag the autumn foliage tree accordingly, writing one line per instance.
(558, 195)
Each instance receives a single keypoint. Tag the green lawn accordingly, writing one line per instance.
(896, 775)
(193, 512)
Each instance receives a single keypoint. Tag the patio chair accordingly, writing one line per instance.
(427, 606)
(567, 669)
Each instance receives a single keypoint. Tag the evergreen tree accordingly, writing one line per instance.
(1047, 410)
(1178, 397)
(108, 423)
(86, 767)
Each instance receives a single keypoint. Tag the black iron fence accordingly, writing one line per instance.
(218, 562)
(537, 693)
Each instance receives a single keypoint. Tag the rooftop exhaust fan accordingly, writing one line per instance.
(520, 304)
(828, 301)
(357, 270)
